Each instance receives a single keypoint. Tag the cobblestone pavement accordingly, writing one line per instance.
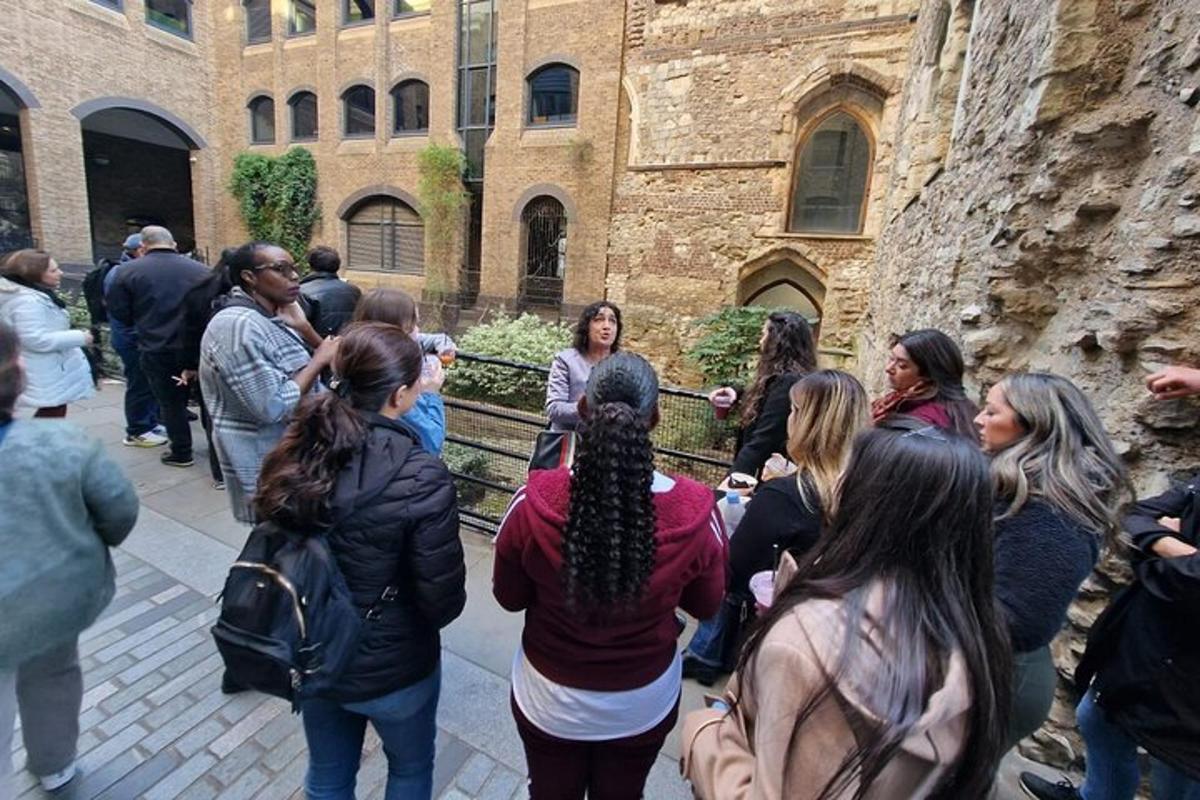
(155, 723)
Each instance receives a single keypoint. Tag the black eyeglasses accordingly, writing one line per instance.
(284, 268)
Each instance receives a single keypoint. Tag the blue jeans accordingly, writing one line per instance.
(141, 410)
(1112, 762)
(406, 721)
(708, 642)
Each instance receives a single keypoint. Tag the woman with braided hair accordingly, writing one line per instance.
(598, 557)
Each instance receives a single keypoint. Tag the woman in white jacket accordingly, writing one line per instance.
(56, 370)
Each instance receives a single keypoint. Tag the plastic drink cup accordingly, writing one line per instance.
(762, 586)
(446, 357)
(721, 405)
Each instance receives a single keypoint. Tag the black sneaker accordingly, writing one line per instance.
(701, 673)
(172, 460)
(1041, 789)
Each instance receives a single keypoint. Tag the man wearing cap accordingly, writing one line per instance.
(148, 295)
(141, 410)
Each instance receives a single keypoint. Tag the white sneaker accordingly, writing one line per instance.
(147, 439)
(161, 430)
(58, 780)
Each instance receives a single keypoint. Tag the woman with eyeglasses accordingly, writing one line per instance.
(925, 373)
(258, 357)
(881, 670)
(1059, 487)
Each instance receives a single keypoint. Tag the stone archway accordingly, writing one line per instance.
(16, 231)
(784, 278)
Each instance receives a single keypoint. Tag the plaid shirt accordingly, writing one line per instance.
(247, 360)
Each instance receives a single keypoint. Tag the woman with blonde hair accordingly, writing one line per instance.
(1059, 488)
(829, 408)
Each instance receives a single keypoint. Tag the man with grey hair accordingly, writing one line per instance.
(149, 296)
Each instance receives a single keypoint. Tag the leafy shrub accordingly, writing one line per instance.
(725, 352)
(277, 197)
(526, 339)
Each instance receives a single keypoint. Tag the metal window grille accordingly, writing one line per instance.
(545, 226)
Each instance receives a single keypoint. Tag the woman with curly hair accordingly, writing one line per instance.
(881, 670)
(925, 372)
(1059, 488)
(598, 558)
(348, 468)
(787, 352)
(597, 335)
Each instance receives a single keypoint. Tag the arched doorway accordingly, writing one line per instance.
(139, 172)
(15, 229)
(544, 234)
(785, 283)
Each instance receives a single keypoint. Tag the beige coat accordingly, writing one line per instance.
(747, 754)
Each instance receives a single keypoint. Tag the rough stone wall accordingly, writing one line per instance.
(68, 52)
(1055, 226)
(718, 96)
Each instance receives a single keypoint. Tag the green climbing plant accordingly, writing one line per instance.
(277, 197)
(442, 200)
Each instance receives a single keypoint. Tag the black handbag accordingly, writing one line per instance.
(553, 449)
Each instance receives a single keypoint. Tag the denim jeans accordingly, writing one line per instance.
(406, 721)
(1112, 762)
(141, 409)
(707, 644)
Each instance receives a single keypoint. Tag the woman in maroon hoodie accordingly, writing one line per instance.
(598, 558)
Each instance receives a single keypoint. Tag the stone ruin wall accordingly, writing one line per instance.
(1052, 222)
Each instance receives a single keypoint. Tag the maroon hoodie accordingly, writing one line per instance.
(609, 652)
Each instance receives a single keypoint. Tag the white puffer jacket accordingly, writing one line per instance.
(56, 370)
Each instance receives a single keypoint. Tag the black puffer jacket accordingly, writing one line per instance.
(331, 301)
(399, 527)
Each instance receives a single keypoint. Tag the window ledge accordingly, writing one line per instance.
(352, 145)
(549, 126)
(103, 13)
(178, 41)
(255, 48)
(263, 144)
(843, 237)
(300, 39)
(421, 134)
(356, 28)
(411, 15)
(305, 139)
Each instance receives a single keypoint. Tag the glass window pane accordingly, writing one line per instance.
(477, 111)
(553, 96)
(172, 15)
(831, 177)
(412, 6)
(258, 20)
(304, 116)
(359, 110)
(411, 101)
(479, 35)
(262, 120)
(474, 141)
(358, 11)
(303, 17)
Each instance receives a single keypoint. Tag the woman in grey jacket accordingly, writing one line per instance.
(597, 335)
(56, 370)
(66, 503)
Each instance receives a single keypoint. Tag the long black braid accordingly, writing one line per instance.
(608, 544)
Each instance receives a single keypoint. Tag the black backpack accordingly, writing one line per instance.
(93, 290)
(288, 625)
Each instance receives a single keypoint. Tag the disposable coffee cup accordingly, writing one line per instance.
(762, 586)
(721, 405)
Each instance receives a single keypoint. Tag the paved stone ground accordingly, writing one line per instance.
(154, 722)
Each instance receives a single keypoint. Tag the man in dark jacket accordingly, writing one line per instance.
(1140, 674)
(331, 300)
(149, 295)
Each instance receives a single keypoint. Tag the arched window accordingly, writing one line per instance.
(554, 95)
(262, 120)
(358, 111)
(304, 116)
(833, 169)
(544, 222)
(258, 20)
(410, 101)
(384, 234)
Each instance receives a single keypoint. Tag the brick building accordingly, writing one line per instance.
(671, 156)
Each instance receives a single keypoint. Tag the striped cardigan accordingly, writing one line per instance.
(247, 360)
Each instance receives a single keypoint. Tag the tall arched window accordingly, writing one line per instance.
(358, 111)
(258, 20)
(304, 116)
(553, 95)
(262, 120)
(544, 223)
(410, 103)
(385, 234)
(833, 170)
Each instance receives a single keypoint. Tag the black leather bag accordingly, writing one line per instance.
(553, 449)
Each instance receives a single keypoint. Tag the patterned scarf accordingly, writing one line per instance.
(890, 403)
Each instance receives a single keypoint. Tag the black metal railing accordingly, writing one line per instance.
(494, 414)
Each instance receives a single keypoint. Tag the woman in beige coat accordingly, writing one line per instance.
(881, 671)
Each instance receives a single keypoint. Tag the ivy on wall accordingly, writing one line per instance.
(277, 197)
(442, 202)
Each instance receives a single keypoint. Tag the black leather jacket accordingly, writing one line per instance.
(399, 527)
(331, 301)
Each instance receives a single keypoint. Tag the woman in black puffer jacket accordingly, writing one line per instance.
(390, 508)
